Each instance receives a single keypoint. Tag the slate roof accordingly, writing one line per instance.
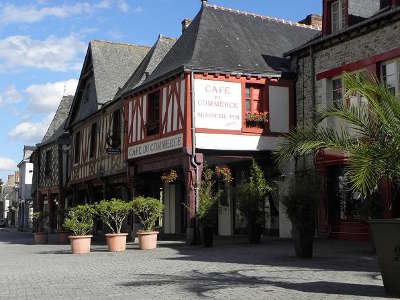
(148, 65)
(226, 40)
(56, 128)
(113, 63)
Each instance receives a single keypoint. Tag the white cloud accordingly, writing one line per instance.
(31, 132)
(56, 54)
(123, 6)
(7, 164)
(10, 95)
(31, 14)
(45, 98)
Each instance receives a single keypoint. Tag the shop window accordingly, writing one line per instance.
(93, 140)
(256, 115)
(338, 15)
(153, 114)
(116, 129)
(77, 150)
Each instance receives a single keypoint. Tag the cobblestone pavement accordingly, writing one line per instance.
(340, 270)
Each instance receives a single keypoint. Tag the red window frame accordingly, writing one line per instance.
(257, 93)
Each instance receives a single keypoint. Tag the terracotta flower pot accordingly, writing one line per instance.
(41, 238)
(116, 242)
(80, 244)
(147, 239)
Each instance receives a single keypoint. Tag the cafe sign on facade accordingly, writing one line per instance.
(218, 105)
(156, 146)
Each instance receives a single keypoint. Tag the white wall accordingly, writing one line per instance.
(236, 142)
(279, 109)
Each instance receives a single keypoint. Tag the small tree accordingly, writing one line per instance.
(113, 212)
(37, 220)
(80, 219)
(147, 210)
(207, 213)
(252, 193)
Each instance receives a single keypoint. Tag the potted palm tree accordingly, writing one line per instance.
(301, 207)
(251, 194)
(40, 236)
(373, 156)
(114, 213)
(80, 221)
(148, 210)
(207, 213)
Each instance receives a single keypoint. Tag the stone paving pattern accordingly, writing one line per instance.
(340, 270)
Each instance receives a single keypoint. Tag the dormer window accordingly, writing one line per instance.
(338, 15)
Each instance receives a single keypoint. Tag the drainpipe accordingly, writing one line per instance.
(193, 159)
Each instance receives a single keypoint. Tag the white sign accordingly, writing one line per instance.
(156, 146)
(218, 104)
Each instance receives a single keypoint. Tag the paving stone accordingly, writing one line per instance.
(340, 270)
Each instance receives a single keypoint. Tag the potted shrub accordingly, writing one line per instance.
(113, 213)
(80, 221)
(207, 213)
(301, 208)
(147, 210)
(40, 236)
(251, 195)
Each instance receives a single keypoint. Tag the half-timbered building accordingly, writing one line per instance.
(222, 95)
(50, 167)
(96, 123)
(358, 36)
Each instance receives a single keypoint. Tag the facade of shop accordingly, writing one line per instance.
(358, 36)
(222, 96)
(50, 161)
(96, 123)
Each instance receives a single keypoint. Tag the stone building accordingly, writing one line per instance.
(50, 162)
(25, 204)
(357, 36)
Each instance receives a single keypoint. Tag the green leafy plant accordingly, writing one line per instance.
(251, 194)
(80, 219)
(37, 218)
(147, 210)
(209, 195)
(372, 144)
(113, 213)
(303, 200)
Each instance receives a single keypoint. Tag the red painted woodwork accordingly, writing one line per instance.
(349, 231)
(369, 63)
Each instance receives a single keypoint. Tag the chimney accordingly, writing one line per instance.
(312, 20)
(185, 24)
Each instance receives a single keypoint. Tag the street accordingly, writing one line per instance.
(340, 270)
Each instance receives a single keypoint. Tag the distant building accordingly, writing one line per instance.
(24, 191)
(9, 200)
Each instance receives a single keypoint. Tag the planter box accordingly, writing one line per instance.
(386, 234)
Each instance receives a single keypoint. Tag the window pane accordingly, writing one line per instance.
(389, 76)
(337, 91)
(248, 105)
(247, 92)
(335, 16)
(256, 94)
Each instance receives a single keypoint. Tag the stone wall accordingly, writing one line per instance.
(370, 44)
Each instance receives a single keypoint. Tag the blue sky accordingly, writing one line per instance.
(43, 43)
